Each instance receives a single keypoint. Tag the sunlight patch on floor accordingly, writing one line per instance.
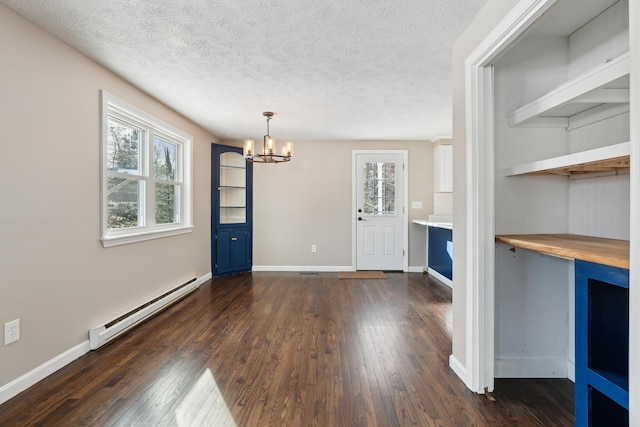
(204, 405)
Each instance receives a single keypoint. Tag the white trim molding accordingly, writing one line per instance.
(479, 190)
(304, 268)
(634, 271)
(439, 277)
(318, 268)
(459, 369)
(22, 383)
(531, 368)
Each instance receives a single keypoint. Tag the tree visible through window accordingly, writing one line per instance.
(164, 171)
(146, 181)
(380, 189)
(123, 158)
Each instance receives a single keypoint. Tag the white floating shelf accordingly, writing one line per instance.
(606, 84)
(604, 159)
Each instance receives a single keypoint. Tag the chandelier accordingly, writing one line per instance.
(268, 149)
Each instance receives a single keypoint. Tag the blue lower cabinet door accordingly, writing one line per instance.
(224, 255)
(240, 250)
(233, 251)
(441, 251)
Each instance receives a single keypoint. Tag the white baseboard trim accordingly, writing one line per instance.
(300, 268)
(571, 370)
(531, 368)
(22, 383)
(39, 373)
(319, 268)
(203, 279)
(459, 369)
(440, 277)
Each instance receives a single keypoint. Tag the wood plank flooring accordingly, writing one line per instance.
(288, 349)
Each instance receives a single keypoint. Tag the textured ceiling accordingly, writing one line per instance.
(330, 69)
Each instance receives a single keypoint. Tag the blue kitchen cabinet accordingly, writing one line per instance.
(440, 247)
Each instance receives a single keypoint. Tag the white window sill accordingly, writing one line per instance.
(108, 241)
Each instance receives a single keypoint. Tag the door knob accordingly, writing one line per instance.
(361, 219)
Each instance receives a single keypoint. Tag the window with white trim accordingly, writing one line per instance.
(146, 175)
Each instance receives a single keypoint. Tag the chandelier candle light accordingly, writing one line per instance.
(269, 148)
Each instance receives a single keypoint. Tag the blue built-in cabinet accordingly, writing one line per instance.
(440, 251)
(231, 211)
(602, 345)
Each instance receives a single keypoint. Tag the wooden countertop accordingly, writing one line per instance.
(610, 252)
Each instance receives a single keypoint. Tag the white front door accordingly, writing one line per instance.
(379, 204)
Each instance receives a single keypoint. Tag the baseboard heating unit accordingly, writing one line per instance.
(102, 334)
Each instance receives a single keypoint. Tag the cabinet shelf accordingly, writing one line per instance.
(605, 159)
(611, 379)
(597, 94)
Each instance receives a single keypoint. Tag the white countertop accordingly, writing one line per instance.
(446, 225)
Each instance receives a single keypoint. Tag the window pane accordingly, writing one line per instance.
(389, 171)
(164, 159)
(123, 198)
(123, 148)
(379, 192)
(166, 211)
(390, 188)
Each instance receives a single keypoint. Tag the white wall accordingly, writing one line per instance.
(519, 207)
(55, 276)
(532, 315)
(308, 202)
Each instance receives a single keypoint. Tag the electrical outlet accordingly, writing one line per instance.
(11, 331)
(314, 248)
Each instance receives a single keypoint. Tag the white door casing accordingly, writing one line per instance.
(379, 212)
(478, 372)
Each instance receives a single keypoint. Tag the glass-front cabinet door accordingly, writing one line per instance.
(231, 213)
(233, 188)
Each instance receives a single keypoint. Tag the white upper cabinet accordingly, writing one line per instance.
(443, 168)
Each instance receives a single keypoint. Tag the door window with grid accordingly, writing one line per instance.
(379, 192)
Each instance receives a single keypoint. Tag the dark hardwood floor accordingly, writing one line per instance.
(288, 349)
